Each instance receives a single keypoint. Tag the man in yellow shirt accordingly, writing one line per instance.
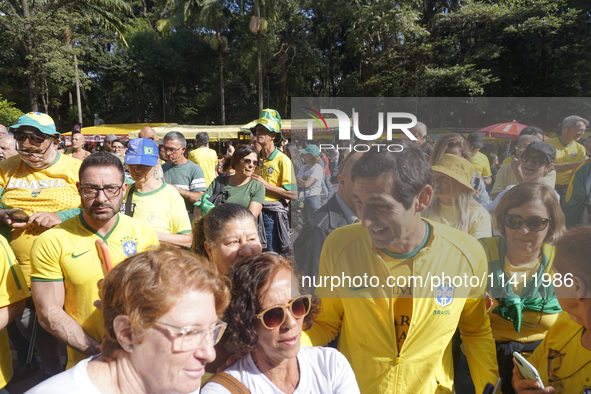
(563, 359)
(206, 157)
(275, 172)
(65, 262)
(395, 331)
(479, 160)
(569, 153)
(13, 291)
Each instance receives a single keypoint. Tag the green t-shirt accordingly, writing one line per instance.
(241, 195)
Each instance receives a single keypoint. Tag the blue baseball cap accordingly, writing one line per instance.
(142, 151)
(42, 122)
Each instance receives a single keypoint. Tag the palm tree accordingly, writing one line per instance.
(28, 18)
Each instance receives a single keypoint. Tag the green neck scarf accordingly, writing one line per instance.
(535, 298)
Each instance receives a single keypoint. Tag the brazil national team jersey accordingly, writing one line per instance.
(12, 289)
(67, 253)
(277, 170)
(52, 189)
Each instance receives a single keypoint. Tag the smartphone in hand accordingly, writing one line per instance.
(527, 370)
(17, 215)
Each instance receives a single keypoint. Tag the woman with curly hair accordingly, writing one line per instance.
(265, 320)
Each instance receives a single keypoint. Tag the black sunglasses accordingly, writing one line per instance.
(37, 138)
(533, 223)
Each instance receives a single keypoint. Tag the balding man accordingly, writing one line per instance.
(149, 133)
(77, 150)
(7, 146)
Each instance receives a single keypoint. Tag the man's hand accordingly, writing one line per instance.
(45, 219)
(527, 386)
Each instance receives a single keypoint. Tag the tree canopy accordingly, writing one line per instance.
(178, 60)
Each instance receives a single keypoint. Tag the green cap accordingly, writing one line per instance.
(42, 122)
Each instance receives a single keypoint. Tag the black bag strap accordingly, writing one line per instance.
(128, 207)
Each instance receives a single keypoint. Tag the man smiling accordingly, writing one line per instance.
(65, 262)
(397, 335)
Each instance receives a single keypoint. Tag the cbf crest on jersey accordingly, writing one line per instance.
(129, 246)
(444, 294)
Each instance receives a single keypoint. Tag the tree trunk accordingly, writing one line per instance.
(32, 86)
(223, 102)
(257, 11)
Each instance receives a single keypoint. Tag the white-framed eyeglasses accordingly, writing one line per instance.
(190, 337)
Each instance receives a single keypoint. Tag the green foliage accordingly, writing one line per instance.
(182, 54)
(8, 113)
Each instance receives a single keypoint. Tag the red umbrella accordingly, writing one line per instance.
(509, 130)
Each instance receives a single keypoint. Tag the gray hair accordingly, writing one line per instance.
(571, 121)
(422, 129)
(7, 135)
(176, 136)
(202, 138)
(531, 137)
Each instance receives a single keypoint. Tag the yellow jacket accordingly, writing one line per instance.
(365, 316)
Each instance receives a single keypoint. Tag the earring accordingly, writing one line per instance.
(128, 347)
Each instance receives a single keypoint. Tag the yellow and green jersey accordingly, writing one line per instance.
(207, 159)
(562, 358)
(163, 209)
(571, 153)
(13, 288)
(368, 315)
(67, 253)
(277, 170)
(52, 189)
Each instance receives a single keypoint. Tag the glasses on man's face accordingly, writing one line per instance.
(170, 150)
(93, 191)
(532, 223)
(33, 154)
(36, 138)
(249, 161)
(537, 160)
(274, 316)
(190, 338)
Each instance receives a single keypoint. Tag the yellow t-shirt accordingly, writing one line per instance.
(570, 362)
(506, 176)
(13, 288)
(163, 209)
(207, 159)
(571, 153)
(50, 190)
(503, 330)
(481, 164)
(479, 224)
(67, 253)
(277, 170)
(507, 160)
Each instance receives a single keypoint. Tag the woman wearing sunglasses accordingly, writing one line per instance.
(161, 311)
(238, 188)
(265, 320)
(533, 165)
(523, 305)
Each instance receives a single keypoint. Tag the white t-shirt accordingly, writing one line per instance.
(72, 381)
(322, 371)
(493, 205)
(316, 172)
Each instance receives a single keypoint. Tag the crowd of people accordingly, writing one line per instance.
(167, 271)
